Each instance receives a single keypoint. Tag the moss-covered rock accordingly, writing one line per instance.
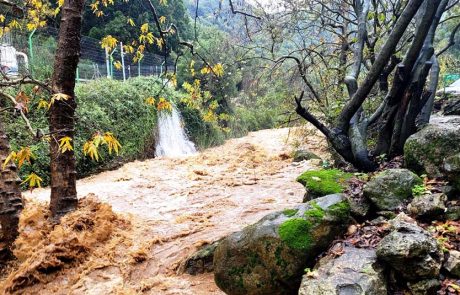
(269, 257)
(391, 188)
(425, 151)
(323, 182)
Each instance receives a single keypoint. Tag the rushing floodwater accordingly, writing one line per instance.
(172, 139)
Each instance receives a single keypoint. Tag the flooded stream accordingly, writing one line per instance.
(184, 202)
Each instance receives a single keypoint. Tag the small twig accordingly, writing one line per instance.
(24, 117)
(235, 11)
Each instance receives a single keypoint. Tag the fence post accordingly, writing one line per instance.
(107, 62)
(123, 60)
(139, 68)
(31, 51)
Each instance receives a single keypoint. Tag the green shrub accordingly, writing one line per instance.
(103, 106)
(203, 134)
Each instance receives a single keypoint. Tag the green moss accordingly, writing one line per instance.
(296, 233)
(254, 259)
(290, 212)
(237, 272)
(324, 182)
(341, 210)
(279, 260)
(314, 214)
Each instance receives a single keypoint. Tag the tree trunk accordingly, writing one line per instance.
(62, 112)
(398, 97)
(10, 199)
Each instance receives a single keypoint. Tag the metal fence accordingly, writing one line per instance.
(95, 62)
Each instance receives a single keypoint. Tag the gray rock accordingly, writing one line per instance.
(201, 261)
(453, 213)
(452, 264)
(411, 251)
(451, 168)
(452, 108)
(428, 206)
(359, 207)
(425, 151)
(304, 155)
(269, 257)
(389, 189)
(355, 272)
(425, 287)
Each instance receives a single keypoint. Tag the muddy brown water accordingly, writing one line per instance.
(185, 202)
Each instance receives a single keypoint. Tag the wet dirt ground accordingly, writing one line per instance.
(182, 203)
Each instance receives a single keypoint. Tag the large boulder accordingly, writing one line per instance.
(355, 272)
(411, 251)
(319, 183)
(425, 151)
(451, 168)
(269, 257)
(389, 189)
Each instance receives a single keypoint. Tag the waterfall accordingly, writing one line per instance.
(172, 139)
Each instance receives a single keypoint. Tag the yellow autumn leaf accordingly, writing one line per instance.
(43, 104)
(90, 149)
(58, 96)
(131, 22)
(112, 142)
(128, 48)
(14, 24)
(34, 180)
(11, 157)
(205, 70)
(24, 155)
(145, 28)
(109, 42)
(218, 70)
(163, 104)
(160, 42)
(118, 65)
(150, 101)
(65, 144)
(162, 19)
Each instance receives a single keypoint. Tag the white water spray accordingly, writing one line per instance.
(172, 139)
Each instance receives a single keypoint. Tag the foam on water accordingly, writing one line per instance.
(172, 139)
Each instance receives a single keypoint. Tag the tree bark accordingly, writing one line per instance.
(62, 112)
(10, 199)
